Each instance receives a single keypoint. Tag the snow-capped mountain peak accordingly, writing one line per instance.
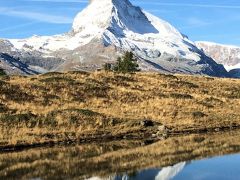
(128, 27)
(95, 17)
(122, 18)
(115, 26)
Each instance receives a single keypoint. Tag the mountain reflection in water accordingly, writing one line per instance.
(172, 158)
(155, 174)
(220, 168)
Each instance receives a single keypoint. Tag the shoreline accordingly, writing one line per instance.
(115, 157)
(149, 139)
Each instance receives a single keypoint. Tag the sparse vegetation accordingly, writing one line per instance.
(77, 105)
(2, 72)
(180, 96)
(107, 67)
(198, 114)
(125, 64)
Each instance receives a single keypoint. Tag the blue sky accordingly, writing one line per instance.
(208, 20)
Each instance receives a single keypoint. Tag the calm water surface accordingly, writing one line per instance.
(197, 156)
(219, 168)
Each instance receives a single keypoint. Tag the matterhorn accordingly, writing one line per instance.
(100, 33)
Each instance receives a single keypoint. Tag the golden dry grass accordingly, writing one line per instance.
(74, 105)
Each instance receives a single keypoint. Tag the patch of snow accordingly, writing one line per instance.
(228, 68)
(38, 69)
(168, 173)
(216, 44)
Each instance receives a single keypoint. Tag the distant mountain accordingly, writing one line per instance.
(103, 31)
(227, 55)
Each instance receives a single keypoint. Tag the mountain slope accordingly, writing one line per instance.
(13, 66)
(227, 55)
(115, 26)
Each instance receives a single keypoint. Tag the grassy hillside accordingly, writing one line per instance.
(72, 106)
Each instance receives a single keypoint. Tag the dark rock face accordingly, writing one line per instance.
(23, 62)
(12, 65)
(212, 68)
(48, 63)
(147, 123)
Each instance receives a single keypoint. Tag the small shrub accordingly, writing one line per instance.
(198, 114)
(180, 96)
(3, 108)
(107, 67)
(14, 93)
(233, 92)
(2, 72)
(180, 84)
(52, 74)
(49, 98)
(213, 100)
(79, 72)
(93, 88)
(168, 76)
(119, 80)
(206, 104)
(187, 84)
(130, 97)
(16, 119)
(3, 83)
(88, 112)
(57, 80)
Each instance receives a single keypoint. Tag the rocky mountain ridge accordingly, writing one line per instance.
(227, 55)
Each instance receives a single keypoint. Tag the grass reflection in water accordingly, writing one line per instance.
(114, 158)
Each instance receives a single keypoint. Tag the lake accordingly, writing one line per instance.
(193, 156)
(220, 168)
